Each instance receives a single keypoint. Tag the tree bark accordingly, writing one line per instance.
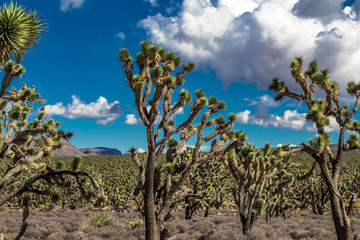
(340, 219)
(246, 224)
(152, 231)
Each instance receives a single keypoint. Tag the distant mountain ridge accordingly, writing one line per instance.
(70, 150)
(100, 151)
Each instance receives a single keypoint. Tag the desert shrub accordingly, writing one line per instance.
(136, 224)
(101, 219)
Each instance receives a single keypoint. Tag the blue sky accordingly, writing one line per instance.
(238, 45)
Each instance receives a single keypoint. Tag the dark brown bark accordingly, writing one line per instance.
(340, 219)
(152, 231)
(247, 222)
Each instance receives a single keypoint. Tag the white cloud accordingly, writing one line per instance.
(256, 39)
(290, 145)
(152, 2)
(66, 5)
(243, 117)
(289, 119)
(140, 150)
(105, 112)
(120, 35)
(350, 13)
(132, 119)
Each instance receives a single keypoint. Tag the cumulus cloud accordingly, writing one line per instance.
(243, 117)
(290, 119)
(254, 40)
(66, 5)
(105, 113)
(132, 119)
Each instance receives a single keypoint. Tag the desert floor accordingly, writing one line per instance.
(74, 225)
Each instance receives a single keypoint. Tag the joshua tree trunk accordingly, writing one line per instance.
(340, 218)
(152, 231)
(247, 223)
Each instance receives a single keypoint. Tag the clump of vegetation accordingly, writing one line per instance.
(136, 224)
(101, 219)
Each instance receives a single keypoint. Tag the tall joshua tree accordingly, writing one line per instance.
(260, 177)
(154, 86)
(320, 110)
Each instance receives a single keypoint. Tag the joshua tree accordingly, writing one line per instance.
(261, 178)
(154, 86)
(320, 110)
(25, 144)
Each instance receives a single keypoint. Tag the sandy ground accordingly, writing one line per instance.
(74, 225)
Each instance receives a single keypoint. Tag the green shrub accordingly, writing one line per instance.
(101, 219)
(136, 224)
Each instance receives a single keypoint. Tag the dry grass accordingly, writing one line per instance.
(225, 225)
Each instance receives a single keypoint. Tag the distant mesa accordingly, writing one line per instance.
(70, 150)
(100, 151)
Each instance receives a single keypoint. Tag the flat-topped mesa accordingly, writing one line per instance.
(100, 151)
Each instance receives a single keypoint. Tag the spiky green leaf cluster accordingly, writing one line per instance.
(353, 140)
(190, 66)
(172, 143)
(185, 96)
(353, 88)
(20, 30)
(319, 142)
(317, 112)
(124, 55)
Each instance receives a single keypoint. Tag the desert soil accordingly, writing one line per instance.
(220, 225)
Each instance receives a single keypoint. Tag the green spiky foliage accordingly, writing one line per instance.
(209, 186)
(20, 30)
(260, 177)
(320, 110)
(158, 80)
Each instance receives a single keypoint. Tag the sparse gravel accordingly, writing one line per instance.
(224, 225)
